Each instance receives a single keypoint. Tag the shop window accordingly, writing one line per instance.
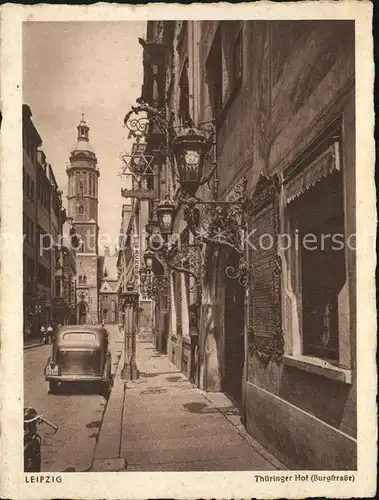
(318, 272)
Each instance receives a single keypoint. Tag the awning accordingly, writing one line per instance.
(324, 165)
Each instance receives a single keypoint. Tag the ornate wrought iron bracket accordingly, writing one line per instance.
(138, 126)
(184, 257)
(243, 273)
(223, 218)
(156, 286)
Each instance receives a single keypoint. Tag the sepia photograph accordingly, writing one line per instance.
(189, 249)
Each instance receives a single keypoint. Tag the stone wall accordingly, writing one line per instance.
(298, 78)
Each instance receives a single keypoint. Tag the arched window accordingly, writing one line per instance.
(80, 279)
(80, 210)
(84, 279)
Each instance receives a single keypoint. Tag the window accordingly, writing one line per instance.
(84, 280)
(31, 232)
(184, 110)
(214, 75)
(237, 62)
(319, 271)
(224, 65)
(43, 193)
(28, 229)
(30, 274)
(28, 185)
(105, 298)
(44, 276)
(44, 242)
(57, 287)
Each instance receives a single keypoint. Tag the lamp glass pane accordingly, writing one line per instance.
(166, 221)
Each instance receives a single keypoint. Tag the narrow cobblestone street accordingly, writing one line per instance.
(76, 410)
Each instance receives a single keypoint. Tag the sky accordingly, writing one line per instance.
(95, 67)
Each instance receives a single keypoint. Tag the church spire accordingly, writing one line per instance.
(83, 130)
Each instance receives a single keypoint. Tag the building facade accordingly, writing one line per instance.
(281, 342)
(108, 297)
(43, 217)
(83, 174)
(132, 244)
(64, 303)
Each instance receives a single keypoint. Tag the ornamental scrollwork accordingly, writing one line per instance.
(267, 348)
(243, 273)
(156, 287)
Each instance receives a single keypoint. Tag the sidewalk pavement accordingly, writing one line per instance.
(29, 343)
(161, 422)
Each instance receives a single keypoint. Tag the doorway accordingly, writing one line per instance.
(234, 317)
(82, 313)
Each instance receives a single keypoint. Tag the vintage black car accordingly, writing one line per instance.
(80, 354)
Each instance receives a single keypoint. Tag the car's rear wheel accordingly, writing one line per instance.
(53, 386)
(106, 385)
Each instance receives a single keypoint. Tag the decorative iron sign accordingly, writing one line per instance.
(139, 194)
(137, 163)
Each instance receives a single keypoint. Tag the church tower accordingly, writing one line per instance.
(83, 174)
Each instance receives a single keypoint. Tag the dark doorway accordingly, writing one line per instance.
(234, 334)
(82, 313)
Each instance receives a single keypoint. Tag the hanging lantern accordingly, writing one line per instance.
(142, 274)
(165, 213)
(154, 239)
(190, 147)
(148, 228)
(148, 258)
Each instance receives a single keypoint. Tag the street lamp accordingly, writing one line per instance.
(129, 370)
(219, 223)
(190, 147)
(142, 274)
(165, 213)
(148, 257)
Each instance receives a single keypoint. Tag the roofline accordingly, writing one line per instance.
(27, 114)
